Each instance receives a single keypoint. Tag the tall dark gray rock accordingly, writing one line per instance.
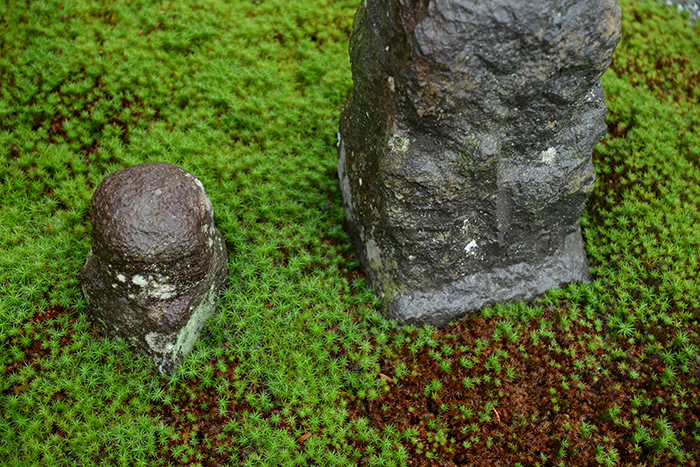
(157, 262)
(465, 149)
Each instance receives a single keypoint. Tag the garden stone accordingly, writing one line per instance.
(157, 263)
(465, 149)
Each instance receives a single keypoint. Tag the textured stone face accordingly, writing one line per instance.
(157, 262)
(465, 149)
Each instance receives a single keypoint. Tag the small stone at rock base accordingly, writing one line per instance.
(157, 263)
(465, 149)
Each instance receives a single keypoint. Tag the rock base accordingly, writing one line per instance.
(517, 282)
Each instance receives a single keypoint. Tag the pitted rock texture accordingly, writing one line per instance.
(465, 149)
(157, 263)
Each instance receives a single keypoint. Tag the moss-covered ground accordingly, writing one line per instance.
(299, 367)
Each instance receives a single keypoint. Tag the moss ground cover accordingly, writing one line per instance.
(298, 367)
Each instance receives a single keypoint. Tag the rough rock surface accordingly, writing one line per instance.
(156, 263)
(465, 149)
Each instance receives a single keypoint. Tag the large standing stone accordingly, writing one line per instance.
(157, 261)
(465, 149)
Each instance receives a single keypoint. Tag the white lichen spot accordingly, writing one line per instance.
(548, 155)
(121, 277)
(470, 247)
(160, 289)
(390, 80)
(398, 143)
(139, 280)
(161, 343)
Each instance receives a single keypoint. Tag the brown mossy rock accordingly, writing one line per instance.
(157, 262)
(465, 149)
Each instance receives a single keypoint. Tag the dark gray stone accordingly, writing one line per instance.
(157, 262)
(465, 149)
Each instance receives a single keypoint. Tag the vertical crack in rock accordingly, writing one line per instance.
(465, 149)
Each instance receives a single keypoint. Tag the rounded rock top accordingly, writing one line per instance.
(152, 216)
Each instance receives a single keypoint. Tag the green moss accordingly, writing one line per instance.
(246, 96)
